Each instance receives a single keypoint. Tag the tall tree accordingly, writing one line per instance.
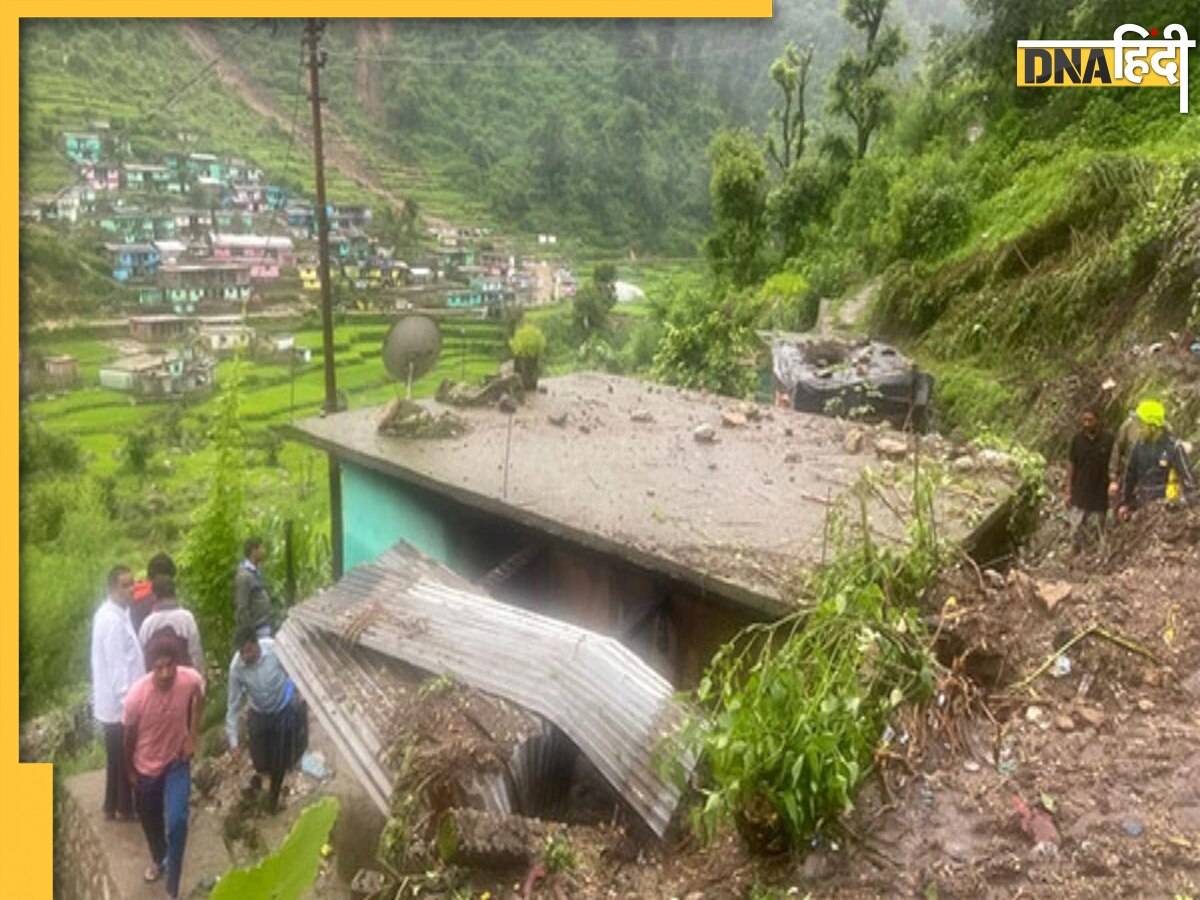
(857, 91)
(737, 191)
(790, 73)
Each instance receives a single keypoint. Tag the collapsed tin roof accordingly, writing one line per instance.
(350, 649)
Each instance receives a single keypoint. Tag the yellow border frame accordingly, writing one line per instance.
(26, 865)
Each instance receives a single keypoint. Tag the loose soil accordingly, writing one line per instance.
(1081, 784)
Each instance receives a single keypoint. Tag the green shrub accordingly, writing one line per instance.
(643, 344)
(929, 219)
(212, 545)
(62, 581)
(966, 399)
(528, 343)
(708, 341)
(794, 711)
(788, 303)
(44, 451)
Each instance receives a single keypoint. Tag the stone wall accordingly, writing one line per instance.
(81, 868)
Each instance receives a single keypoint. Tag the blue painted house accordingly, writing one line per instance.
(83, 147)
(133, 261)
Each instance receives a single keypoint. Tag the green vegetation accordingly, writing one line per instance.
(289, 872)
(1012, 233)
(84, 506)
(219, 525)
(528, 342)
(65, 275)
(793, 712)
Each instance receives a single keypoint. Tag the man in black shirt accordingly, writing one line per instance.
(1087, 479)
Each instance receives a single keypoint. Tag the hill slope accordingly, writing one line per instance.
(594, 130)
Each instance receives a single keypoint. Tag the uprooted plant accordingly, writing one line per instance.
(789, 715)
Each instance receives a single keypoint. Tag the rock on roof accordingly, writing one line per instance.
(625, 475)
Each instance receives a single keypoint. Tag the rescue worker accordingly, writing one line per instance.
(1158, 468)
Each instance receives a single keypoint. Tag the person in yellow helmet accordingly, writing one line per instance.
(1128, 434)
(1158, 467)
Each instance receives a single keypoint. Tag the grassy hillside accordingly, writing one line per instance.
(126, 73)
(595, 131)
(65, 275)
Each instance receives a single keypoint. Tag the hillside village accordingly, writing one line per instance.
(197, 241)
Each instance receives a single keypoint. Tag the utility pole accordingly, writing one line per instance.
(316, 59)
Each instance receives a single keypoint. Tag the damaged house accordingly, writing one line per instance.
(552, 711)
(603, 507)
(527, 587)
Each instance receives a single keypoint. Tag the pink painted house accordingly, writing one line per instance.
(267, 256)
(101, 176)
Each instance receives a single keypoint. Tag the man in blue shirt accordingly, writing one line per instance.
(278, 720)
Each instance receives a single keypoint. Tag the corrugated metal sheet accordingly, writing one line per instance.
(612, 705)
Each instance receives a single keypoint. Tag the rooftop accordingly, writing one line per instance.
(625, 475)
(141, 362)
(154, 320)
(252, 240)
(129, 248)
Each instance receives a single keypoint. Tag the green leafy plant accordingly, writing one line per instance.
(211, 546)
(792, 712)
(558, 854)
(289, 872)
(708, 340)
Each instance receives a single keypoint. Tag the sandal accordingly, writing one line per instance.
(153, 873)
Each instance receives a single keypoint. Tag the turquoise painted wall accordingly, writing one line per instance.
(377, 511)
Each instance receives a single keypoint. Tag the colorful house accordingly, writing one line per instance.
(132, 261)
(310, 277)
(461, 298)
(100, 176)
(205, 165)
(157, 329)
(266, 255)
(352, 245)
(83, 146)
(214, 280)
(142, 177)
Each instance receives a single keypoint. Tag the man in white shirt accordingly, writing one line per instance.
(116, 664)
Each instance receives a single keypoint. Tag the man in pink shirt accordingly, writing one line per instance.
(162, 718)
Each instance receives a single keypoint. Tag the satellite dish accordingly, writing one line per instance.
(411, 348)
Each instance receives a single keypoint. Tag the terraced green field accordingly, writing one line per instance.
(291, 475)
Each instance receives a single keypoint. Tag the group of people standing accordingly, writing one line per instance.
(149, 675)
(1141, 464)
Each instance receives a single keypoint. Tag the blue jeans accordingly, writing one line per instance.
(163, 803)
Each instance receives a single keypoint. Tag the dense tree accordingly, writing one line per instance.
(594, 301)
(857, 91)
(737, 191)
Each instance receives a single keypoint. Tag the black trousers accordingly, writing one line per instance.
(277, 741)
(118, 795)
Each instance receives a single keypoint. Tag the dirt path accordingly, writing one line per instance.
(340, 152)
